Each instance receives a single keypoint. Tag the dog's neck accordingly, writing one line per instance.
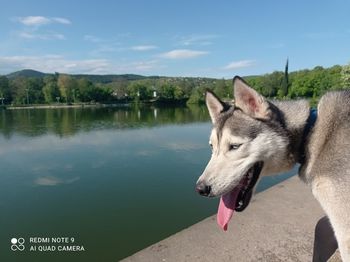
(298, 124)
(310, 122)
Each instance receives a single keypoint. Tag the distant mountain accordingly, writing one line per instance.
(92, 78)
(111, 78)
(26, 73)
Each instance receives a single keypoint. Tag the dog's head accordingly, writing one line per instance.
(247, 140)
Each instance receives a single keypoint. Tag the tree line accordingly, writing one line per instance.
(64, 88)
(56, 88)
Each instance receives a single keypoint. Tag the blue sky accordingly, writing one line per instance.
(173, 38)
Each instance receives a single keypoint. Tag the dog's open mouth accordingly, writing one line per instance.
(239, 198)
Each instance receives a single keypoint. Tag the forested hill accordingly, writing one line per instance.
(26, 73)
(93, 78)
(33, 87)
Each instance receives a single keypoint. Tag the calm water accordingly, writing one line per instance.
(114, 179)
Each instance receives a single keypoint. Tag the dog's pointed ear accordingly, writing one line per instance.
(215, 105)
(250, 101)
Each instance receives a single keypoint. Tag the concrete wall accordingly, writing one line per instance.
(277, 226)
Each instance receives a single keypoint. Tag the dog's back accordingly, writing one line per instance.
(328, 150)
(327, 166)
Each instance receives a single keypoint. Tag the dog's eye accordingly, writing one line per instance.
(234, 146)
(211, 145)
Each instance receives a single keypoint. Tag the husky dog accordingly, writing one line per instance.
(254, 137)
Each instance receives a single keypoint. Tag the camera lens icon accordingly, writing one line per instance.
(17, 244)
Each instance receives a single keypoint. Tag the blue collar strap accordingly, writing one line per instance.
(310, 123)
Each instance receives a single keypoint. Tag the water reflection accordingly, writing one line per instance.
(102, 173)
(54, 181)
(68, 121)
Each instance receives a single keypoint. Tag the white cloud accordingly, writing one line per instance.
(240, 64)
(105, 48)
(33, 24)
(61, 20)
(143, 47)
(57, 36)
(56, 63)
(42, 20)
(143, 66)
(44, 36)
(202, 40)
(26, 35)
(183, 54)
(93, 38)
(103, 45)
(34, 20)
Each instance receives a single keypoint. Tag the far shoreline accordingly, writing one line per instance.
(55, 106)
(92, 105)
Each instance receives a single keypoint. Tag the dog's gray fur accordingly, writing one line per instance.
(273, 132)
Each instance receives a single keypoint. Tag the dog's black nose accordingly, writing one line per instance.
(203, 189)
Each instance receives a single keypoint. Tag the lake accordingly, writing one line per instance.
(113, 180)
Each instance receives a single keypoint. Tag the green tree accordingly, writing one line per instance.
(221, 89)
(139, 91)
(334, 77)
(5, 90)
(167, 91)
(283, 92)
(345, 76)
(257, 83)
(310, 83)
(66, 84)
(197, 96)
(301, 86)
(34, 86)
(19, 91)
(120, 88)
(84, 90)
(50, 89)
(272, 83)
(179, 93)
(188, 86)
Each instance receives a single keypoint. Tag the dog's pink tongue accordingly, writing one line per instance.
(226, 208)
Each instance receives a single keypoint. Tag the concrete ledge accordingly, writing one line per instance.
(277, 226)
